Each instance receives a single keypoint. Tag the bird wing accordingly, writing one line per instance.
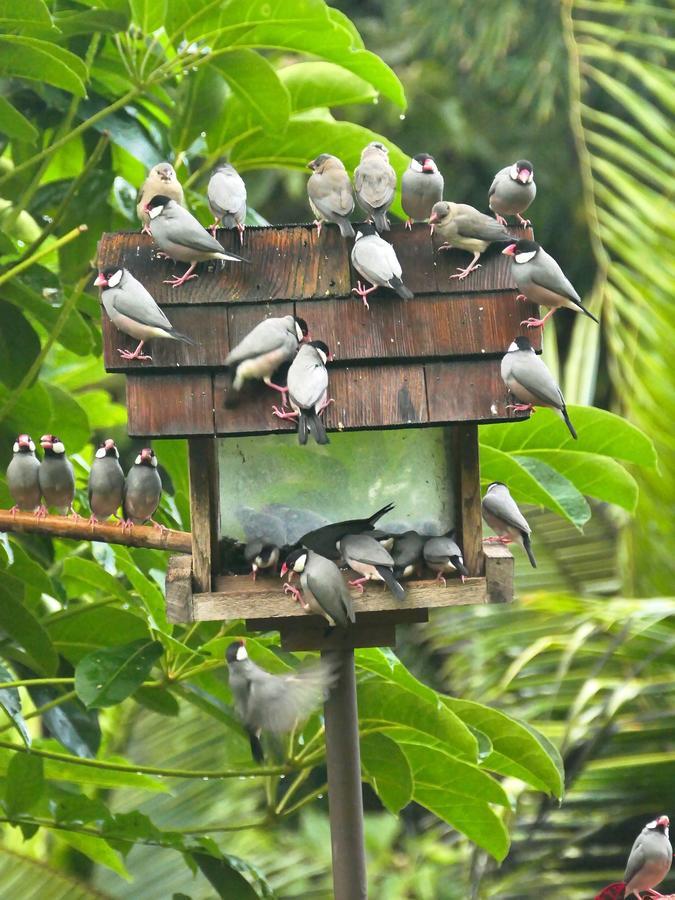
(277, 702)
(364, 548)
(227, 192)
(375, 181)
(495, 181)
(375, 259)
(267, 336)
(531, 372)
(439, 550)
(473, 224)
(545, 272)
(636, 859)
(307, 379)
(504, 507)
(327, 585)
(181, 227)
(136, 302)
(331, 193)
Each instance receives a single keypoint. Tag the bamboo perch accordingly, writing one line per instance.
(81, 530)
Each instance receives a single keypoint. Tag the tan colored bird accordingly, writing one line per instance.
(466, 228)
(375, 184)
(162, 180)
(330, 194)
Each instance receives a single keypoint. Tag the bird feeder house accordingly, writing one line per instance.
(401, 365)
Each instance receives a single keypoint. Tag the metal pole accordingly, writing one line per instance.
(345, 799)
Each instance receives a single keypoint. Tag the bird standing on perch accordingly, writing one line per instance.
(162, 179)
(375, 184)
(330, 193)
(465, 228)
(23, 478)
(512, 191)
(421, 188)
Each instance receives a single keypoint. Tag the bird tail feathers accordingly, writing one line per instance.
(388, 577)
(566, 419)
(380, 219)
(178, 336)
(403, 292)
(527, 546)
(256, 747)
(310, 423)
(346, 229)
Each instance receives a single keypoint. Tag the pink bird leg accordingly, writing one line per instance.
(500, 219)
(176, 281)
(538, 323)
(463, 273)
(319, 225)
(521, 407)
(363, 292)
(277, 387)
(409, 224)
(126, 354)
(440, 577)
(281, 414)
(358, 583)
(524, 222)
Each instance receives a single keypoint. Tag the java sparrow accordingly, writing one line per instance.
(407, 552)
(106, 482)
(443, 555)
(530, 382)
(259, 555)
(226, 194)
(264, 349)
(368, 558)
(131, 309)
(540, 279)
(375, 184)
(161, 180)
(142, 489)
(276, 703)
(307, 382)
(501, 513)
(330, 194)
(421, 188)
(325, 539)
(57, 480)
(464, 227)
(512, 190)
(179, 235)
(383, 537)
(376, 260)
(23, 480)
(650, 858)
(324, 591)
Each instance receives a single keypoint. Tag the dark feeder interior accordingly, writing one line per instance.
(411, 381)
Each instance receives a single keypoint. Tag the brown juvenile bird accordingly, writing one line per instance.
(466, 228)
(375, 184)
(162, 180)
(330, 194)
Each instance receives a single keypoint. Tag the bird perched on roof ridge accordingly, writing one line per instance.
(330, 194)
(421, 188)
(512, 191)
(466, 228)
(375, 183)
(502, 514)
(226, 196)
(650, 858)
(376, 260)
(161, 179)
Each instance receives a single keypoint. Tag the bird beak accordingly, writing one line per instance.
(509, 251)
(330, 357)
(23, 441)
(312, 164)
(109, 444)
(101, 280)
(284, 569)
(428, 166)
(523, 175)
(433, 218)
(307, 338)
(146, 454)
(46, 442)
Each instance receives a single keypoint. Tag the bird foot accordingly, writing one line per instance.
(14, 510)
(162, 528)
(521, 297)
(146, 230)
(254, 573)
(497, 539)
(409, 224)
(440, 577)
(282, 390)
(213, 228)
(127, 354)
(524, 222)
(445, 246)
(73, 515)
(521, 407)
(534, 323)
(241, 229)
(358, 583)
(500, 219)
(325, 404)
(92, 520)
(126, 525)
(176, 281)
(281, 414)
(319, 225)
(40, 512)
(363, 292)
(297, 596)
(461, 274)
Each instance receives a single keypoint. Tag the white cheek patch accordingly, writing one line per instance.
(100, 453)
(15, 448)
(58, 447)
(298, 332)
(358, 237)
(323, 356)
(300, 563)
(153, 460)
(514, 173)
(525, 257)
(31, 447)
(115, 279)
(241, 654)
(513, 346)
(137, 461)
(416, 166)
(155, 211)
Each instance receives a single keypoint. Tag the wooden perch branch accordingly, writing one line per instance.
(81, 530)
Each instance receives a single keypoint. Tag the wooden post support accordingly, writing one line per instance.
(345, 798)
(204, 510)
(178, 589)
(499, 565)
(462, 448)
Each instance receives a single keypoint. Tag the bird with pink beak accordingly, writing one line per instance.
(512, 191)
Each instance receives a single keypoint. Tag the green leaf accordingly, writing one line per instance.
(19, 345)
(158, 700)
(594, 475)
(69, 420)
(226, 876)
(75, 334)
(29, 412)
(255, 82)
(84, 576)
(149, 15)
(22, 626)
(74, 727)
(200, 108)
(518, 749)
(96, 849)
(24, 784)
(83, 629)
(147, 589)
(387, 769)
(30, 572)
(10, 701)
(37, 60)
(14, 124)
(106, 677)
(87, 21)
(323, 84)
(30, 15)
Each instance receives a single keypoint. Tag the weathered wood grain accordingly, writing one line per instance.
(369, 397)
(178, 589)
(499, 568)
(463, 462)
(253, 411)
(312, 635)
(170, 405)
(204, 510)
(494, 273)
(469, 391)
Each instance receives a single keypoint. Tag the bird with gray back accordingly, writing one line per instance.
(179, 235)
(106, 482)
(376, 260)
(162, 180)
(368, 558)
(132, 310)
(142, 489)
(407, 553)
(57, 479)
(512, 191)
(265, 349)
(274, 703)
(324, 591)
(540, 280)
(23, 479)
(465, 228)
(375, 184)
(330, 193)
(421, 188)
(650, 858)
(530, 382)
(325, 538)
(307, 382)
(443, 555)
(226, 195)
(501, 513)
(261, 555)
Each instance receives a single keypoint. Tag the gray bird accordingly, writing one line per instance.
(106, 482)
(406, 553)
(383, 537)
(226, 194)
(376, 260)
(368, 558)
(265, 348)
(259, 555)
(464, 227)
(132, 310)
(540, 279)
(274, 703)
(375, 184)
(162, 180)
(501, 513)
(307, 382)
(650, 858)
(443, 555)
(512, 190)
(142, 489)
(530, 382)
(179, 235)
(421, 188)
(57, 479)
(325, 539)
(330, 193)
(324, 591)
(23, 480)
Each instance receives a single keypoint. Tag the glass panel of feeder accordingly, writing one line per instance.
(273, 489)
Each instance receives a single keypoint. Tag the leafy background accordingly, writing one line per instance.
(491, 700)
